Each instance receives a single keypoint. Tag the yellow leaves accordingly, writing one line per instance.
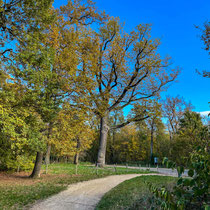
(72, 124)
(54, 36)
(128, 145)
(1, 110)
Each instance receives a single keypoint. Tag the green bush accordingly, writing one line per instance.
(22, 162)
(188, 193)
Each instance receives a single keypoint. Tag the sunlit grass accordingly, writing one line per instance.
(70, 169)
(133, 194)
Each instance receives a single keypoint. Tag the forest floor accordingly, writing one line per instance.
(17, 191)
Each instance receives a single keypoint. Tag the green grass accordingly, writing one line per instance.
(15, 197)
(133, 194)
(20, 195)
(70, 169)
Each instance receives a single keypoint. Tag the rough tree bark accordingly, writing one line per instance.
(37, 166)
(104, 129)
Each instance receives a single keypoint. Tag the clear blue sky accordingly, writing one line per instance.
(173, 21)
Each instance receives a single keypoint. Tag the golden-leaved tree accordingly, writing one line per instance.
(72, 133)
(173, 110)
(122, 68)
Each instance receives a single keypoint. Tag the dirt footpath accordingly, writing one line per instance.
(83, 195)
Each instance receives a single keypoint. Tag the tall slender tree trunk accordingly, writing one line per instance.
(76, 157)
(104, 128)
(170, 143)
(37, 166)
(47, 157)
(151, 144)
(112, 148)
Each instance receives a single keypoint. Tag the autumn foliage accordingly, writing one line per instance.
(69, 77)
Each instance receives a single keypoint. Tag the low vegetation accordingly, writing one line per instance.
(134, 193)
(188, 193)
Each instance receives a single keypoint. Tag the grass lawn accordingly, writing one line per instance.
(133, 194)
(17, 191)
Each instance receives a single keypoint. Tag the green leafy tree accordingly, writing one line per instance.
(47, 63)
(191, 133)
(17, 17)
(19, 128)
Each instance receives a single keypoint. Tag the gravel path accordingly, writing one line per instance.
(83, 195)
(166, 171)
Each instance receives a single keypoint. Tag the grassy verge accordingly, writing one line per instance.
(133, 194)
(17, 191)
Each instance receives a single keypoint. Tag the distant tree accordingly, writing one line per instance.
(191, 125)
(163, 143)
(205, 37)
(173, 110)
(128, 147)
(115, 118)
(153, 121)
(190, 134)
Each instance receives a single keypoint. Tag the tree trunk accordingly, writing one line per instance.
(47, 157)
(104, 128)
(112, 145)
(151, 144)
(112, 148)
(76, 157)
(37, 165)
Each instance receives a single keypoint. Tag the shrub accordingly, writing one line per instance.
(188, 193)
